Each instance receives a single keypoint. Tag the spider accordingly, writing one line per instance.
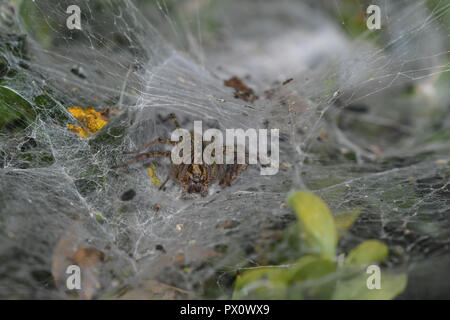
(193, 178)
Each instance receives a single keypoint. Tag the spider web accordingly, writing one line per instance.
(350, 130)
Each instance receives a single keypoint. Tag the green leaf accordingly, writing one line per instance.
(14, 107)
(260, 283)
(309, 267)
(4, 66)
(369, 251)
(357, 289)
(306, 279)
(287, 283)
(316, 221)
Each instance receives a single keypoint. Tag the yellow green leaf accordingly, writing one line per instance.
(308, 278)
(369, 251)
(310, 267)
(316, 221)
(260, 283)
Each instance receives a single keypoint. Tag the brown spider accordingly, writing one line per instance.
(193, 178)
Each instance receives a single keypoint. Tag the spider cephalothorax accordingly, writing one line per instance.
(194, 178)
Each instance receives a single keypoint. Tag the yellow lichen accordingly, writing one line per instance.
(91, 121)
(153, 177)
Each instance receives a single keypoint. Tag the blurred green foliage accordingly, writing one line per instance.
(14, 109)
(320, 274)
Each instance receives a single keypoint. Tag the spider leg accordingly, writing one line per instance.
(183, 191)
(165, 181)
(158, 140)
(221, 171)
(144, 156)
(235, 153)
(211, 171)
(232, 173)
(204, 191)
(223, 174)
(172, 174)
(174, 119)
